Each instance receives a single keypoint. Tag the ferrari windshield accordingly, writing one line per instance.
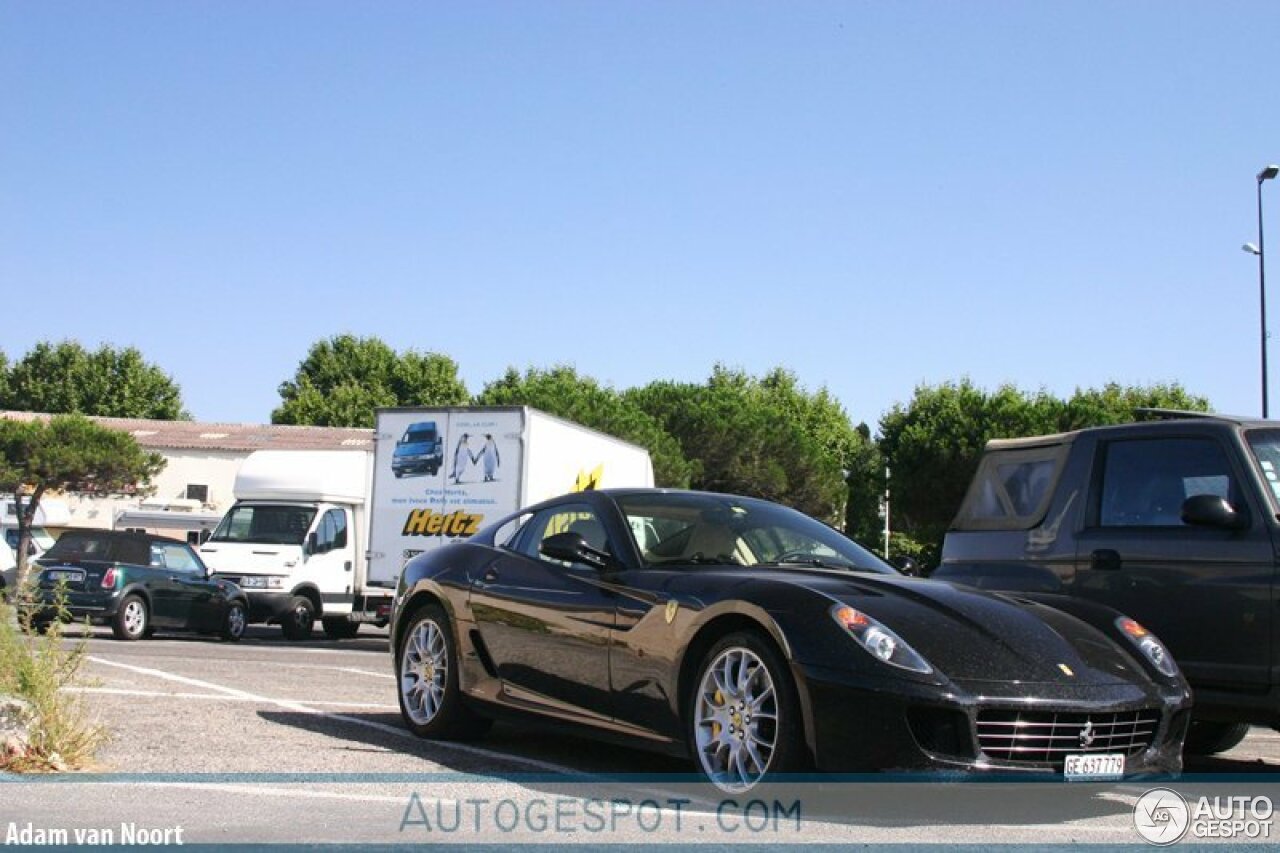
(704, 528)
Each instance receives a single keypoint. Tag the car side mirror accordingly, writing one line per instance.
(572, 548)
(309, 547)
(1212, 511)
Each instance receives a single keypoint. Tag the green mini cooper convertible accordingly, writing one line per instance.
(138, 583)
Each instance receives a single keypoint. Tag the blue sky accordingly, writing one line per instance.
(874, 195)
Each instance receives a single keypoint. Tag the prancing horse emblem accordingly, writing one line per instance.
(1086, 735)
(672, 607)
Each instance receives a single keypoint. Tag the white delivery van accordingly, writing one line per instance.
(326, 533)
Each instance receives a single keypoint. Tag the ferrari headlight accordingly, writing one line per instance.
(1151, 648)
(883, 644)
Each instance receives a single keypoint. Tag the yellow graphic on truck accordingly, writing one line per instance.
(587, 482)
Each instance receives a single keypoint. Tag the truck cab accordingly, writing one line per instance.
(295, 539)
(1172, 522)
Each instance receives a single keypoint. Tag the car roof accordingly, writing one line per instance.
(122, 535)
(1160, 419)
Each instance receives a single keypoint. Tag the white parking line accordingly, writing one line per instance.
(160, 694)
(289, 665)
(301, 708)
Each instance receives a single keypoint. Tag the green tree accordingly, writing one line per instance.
(766, 437)
(66, 453)
(561, 391)
(66, 378)
(1114, 404)
(344, 378)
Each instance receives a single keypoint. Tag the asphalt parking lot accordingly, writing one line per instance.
(269, 741)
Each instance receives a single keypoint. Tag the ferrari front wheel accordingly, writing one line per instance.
(431, 702)
(745, 719)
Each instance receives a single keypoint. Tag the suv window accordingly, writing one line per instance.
(1145, 481)
(1011, 489)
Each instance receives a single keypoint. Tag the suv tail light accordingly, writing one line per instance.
(109, 579)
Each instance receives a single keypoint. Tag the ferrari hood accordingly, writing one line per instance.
(973, 636)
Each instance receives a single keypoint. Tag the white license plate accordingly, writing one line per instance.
(65, 575)
(1101, 766)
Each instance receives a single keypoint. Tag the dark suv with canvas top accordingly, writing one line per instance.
(1173, 522)
(138, 583)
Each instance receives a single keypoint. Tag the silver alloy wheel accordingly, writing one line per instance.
(736, 720)
(235, 621)
(135, 617)
(424, 671)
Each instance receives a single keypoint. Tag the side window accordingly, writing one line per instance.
(339, 517)
(179, 558)
(577, 518)
(332, 532)
(1146, 481)
(156, 560)
(505, 537)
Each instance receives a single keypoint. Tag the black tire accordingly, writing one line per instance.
(442, 713)
(398, 474)
(708, 744)
(234, 621)
(132, 619)
(340, 627)
(1209, 737)
(300, 620)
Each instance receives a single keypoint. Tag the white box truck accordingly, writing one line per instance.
(326, 533)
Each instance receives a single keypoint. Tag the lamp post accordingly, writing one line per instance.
(1265, 175)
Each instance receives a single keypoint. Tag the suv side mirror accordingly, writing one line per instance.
(1212, 511)
(572, 548)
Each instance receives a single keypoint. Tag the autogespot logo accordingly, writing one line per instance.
(1161, 816)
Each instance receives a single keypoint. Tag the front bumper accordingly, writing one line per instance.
(267, 606)
(903, 725)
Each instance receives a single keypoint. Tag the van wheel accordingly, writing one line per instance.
(300, 619)
(1209, 737)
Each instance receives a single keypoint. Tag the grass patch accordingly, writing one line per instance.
(35, 667)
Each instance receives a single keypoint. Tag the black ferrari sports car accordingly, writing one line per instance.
(762, 642)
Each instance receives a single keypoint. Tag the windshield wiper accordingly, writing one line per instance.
(816, 562)
(696, 559)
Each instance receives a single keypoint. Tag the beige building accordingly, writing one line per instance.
(194, 489)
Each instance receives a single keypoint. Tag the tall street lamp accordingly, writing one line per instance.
(1265, 175)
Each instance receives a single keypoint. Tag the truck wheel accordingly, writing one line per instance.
(340, 628)
(431, 701)
(300, 619)
(1209, 737)
(132, 620)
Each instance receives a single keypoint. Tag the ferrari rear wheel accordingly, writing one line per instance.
(431, 701)
(744, 716)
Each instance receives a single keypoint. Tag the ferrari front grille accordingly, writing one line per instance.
(1047, 737)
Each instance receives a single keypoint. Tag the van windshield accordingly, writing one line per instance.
(417, 435)
(264, 524)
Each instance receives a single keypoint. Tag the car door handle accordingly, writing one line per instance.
(1105, 559)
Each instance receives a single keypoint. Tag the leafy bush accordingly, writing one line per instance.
(36, 666)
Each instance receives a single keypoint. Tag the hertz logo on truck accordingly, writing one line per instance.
(427, 522)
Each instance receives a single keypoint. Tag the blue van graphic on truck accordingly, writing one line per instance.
(419, 451)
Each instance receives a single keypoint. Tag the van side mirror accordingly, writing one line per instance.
(572, 548)
(1212, 511)
(309, 547)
